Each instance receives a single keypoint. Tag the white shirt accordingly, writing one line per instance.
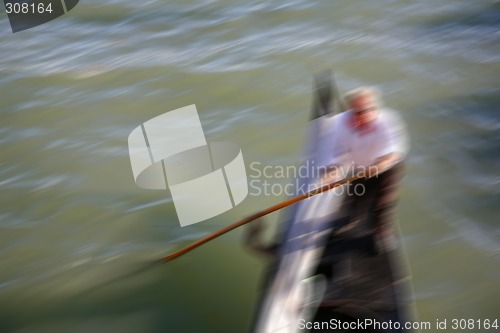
(342, 144)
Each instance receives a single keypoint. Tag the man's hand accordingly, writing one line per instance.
(333, 174)
(382, 164)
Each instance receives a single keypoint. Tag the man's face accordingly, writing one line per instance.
(365, 110)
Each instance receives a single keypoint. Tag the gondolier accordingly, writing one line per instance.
(372, 140)
(357, 259)
(336, 260)
(360, 261)
(367, 135)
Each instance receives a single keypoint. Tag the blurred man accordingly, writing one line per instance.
(360, 261)
(367, 136)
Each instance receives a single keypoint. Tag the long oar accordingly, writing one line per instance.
(255, 216)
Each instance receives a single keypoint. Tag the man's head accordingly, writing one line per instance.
(364, 103)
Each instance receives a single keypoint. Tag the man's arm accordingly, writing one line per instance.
(383, 163)
(395, 140)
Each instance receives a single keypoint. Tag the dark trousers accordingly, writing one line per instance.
(362, 261)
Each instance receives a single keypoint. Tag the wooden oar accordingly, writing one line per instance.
(257, 215)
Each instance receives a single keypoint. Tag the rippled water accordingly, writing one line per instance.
(77, 234)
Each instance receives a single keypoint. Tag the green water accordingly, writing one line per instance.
(77, 234)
